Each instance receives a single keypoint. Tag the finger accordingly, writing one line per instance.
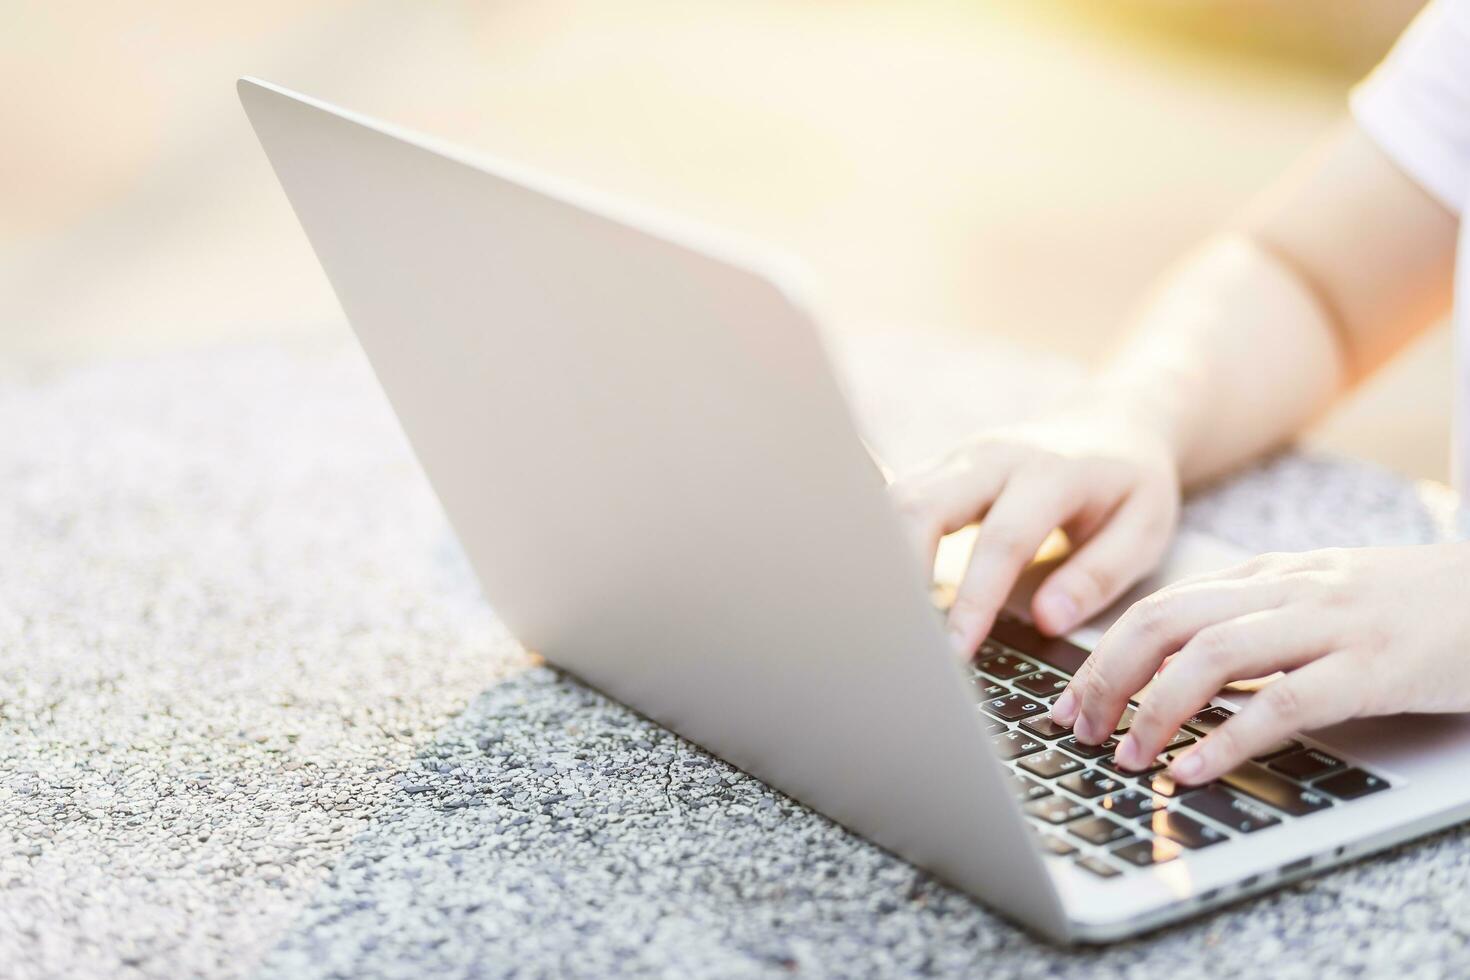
(1250, 646)
(1031, 504)
(1168, 616)
(1125, 549)
(1325, 691)
(1130, 653)
(947, 497)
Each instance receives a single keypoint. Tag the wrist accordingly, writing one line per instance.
(1145, 409)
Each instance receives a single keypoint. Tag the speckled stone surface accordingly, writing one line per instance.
(255, 720)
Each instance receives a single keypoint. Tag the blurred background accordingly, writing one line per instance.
(1013, 169)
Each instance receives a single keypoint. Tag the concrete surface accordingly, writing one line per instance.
(255, 720)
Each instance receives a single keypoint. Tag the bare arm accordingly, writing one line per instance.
(1238, 349)
(1330, 275)
(1332, 272)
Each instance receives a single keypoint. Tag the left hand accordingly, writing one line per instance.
(1362, 631)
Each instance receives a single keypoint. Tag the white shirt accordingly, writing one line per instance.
(1416, 107)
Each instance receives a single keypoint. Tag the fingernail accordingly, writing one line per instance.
(1188, 767)
(1059, 611)
(1082, 728)
(1065, 708)
(1125, 753)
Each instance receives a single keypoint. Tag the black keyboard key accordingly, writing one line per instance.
(989, 648)
(1106, 747)
(990, 689)
(1013, 707)
(1280, 747)
(1162, 784)
(1273, 790)
(1125, 721)
(1181, 828)
(1178, 741)
(1025, 789)
(1005, 666)
(1351, 784)
(1056, 809)
(1224, 807)
(1111, 765)
(1013, 745)
(1145, 853)
(1043, 727)
(1098, 867)
(1052, 844)
(1307, 765)
(1050, 764)
(1090, 783)
(1041, 683)
(1206, 721)
(993, 727)
(1099, 831)
(1130, 804)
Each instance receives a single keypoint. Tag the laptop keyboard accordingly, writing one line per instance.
(1109, 821)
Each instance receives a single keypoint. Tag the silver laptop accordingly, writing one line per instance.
(640, 442)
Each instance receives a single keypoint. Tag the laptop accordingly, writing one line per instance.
(640, 442)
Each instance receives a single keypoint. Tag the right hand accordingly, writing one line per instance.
(1109, 482)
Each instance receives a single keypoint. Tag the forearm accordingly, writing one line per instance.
(1232, 355)
(1336, 267)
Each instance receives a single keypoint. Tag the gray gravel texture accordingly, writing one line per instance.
(255, 720)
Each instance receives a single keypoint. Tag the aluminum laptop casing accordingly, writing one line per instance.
(639, 440)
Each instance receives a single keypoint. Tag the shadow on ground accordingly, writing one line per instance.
(550, 830)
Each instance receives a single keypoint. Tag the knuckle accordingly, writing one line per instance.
(1209, 647)
(1287, 562)
(1281, 700)
(1327, 559)
(1006, 543)
(1339, 581)
(1278, 563)
(1327, 590)
(1093, 581)
(1260, 564)
(1099, 686)
(1150, 616)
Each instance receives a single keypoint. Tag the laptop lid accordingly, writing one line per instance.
(645, 455)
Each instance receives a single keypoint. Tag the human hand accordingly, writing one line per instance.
(1364, 631)
(1111, 484)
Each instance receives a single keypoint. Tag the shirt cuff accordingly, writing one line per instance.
(1430, 160)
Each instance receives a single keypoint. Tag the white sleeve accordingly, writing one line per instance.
(1416, 104)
